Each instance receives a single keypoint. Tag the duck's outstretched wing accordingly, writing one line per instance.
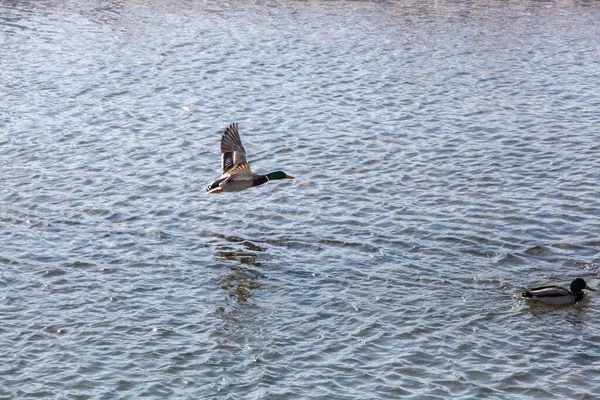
(232, 149)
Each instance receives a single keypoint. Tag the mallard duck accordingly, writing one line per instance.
(558, 295)
(237, 175)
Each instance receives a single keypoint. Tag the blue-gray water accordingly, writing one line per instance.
(446, 157)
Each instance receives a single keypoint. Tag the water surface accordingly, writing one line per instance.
(446, 158)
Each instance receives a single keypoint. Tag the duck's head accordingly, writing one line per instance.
(278, 175)
(578, 285)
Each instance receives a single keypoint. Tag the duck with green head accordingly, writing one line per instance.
(237, 175)
(558, 295)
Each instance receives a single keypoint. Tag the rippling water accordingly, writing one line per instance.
(446, 158)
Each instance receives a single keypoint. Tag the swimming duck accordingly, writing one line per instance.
(558, 295)
(237, 175)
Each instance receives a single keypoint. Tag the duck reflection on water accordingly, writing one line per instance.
(242, 257)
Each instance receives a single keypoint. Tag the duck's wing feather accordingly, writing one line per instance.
(548, 291)
(240, 172)
(232, 149)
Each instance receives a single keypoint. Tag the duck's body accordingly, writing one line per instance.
(558, 295)
(237, 175)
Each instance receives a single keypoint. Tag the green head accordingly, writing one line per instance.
(578, 285)
(279, 175)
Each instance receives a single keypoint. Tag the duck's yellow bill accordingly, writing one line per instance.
(289, 177)
(589, 288)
